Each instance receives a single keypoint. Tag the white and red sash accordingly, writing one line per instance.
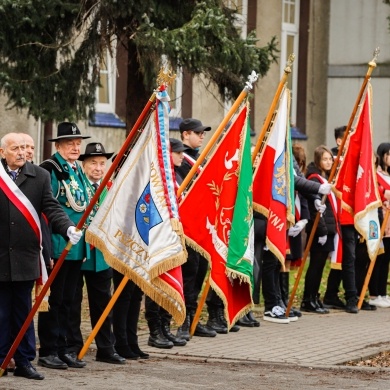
(22, 203)
(337, 255)
(192, 161)
(383, 180)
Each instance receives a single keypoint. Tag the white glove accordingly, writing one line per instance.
(74, 235)
(322, 240)
(325, 189)
(297, 228)
(319, 206)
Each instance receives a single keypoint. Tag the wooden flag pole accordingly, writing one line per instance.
(80, 225)
(371, 66)
(372, 263)
(244, 93)
(271, 112)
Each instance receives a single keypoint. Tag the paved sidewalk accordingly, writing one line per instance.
(315, 339)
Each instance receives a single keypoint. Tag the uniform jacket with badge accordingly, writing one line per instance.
(19, 245)
(185, 166)
(68, 188)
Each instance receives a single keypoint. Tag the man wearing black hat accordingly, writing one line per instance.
(69, 189)
(97, 273)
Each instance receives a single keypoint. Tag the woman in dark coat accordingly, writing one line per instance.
(323, 242)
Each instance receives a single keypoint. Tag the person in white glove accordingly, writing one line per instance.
(319, 206)
(326, 230)
(74, 235)
(297, 228)
(325, 189)
(322, 240)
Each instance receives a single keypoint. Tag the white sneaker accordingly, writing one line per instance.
(386, 298)
(277, 315)
(379, 302)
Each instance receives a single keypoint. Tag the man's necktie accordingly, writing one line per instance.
(13, 175)
(95, 185)
(75, 169)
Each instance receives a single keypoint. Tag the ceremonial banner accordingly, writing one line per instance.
(356, 183)
(273, 185)
(214, 227)
(137, 226)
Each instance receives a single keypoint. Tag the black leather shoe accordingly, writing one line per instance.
(234, 328)
(204, 331)
(177, 341)
(71, 360)
(28, 372)
(350, 306)
(135, 348)
(334, 303)
(112, 358)
(367, 306)
(246, 322)
(251, 317)
(126, 352)
(52, 361)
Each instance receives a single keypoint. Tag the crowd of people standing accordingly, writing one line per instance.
(58, 191)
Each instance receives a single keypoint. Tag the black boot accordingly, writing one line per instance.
(251, 317)
(245, 321)
(321, 305)
(215, 322)
(183, 332)
(351, 305)
(156, 337)
(309, 304)
(166, 330)
(221, 314)
(135, 349)
(202, 330)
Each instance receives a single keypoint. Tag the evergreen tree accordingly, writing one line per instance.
(50, 50)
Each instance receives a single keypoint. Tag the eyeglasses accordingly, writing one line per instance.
(199, 133)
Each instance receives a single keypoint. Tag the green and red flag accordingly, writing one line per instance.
(214, 225)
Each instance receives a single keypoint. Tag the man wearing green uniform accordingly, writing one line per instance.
(95, 271)
(69, 189)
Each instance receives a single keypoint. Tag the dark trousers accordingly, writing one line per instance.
(53, 325)
(333, 283)
(194, 271)
(380, 273)
(270, 280)
(349, 237)
(314, 274)
(258, 258)
(154, 313)
(361, 265)
(99, 295)
(126, 312)
(15, 305)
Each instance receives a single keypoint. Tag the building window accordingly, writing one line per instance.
(289, 45)
(105, 94)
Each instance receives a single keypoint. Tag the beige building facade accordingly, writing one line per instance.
(333, 40)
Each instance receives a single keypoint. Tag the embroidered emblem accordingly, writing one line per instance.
(98, 148)
(74, 130)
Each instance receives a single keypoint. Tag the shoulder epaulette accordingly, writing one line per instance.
(52, 164)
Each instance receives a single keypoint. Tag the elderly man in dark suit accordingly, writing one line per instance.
(25, 193)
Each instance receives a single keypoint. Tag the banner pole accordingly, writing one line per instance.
(371, 66)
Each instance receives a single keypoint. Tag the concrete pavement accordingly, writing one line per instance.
(314, 340)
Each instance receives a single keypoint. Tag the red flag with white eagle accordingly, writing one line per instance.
(209, 219)
(356, 183)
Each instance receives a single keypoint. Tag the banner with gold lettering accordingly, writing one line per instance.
(137, 227)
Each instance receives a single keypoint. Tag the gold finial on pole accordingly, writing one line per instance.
(166, 77)
(290, 61)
